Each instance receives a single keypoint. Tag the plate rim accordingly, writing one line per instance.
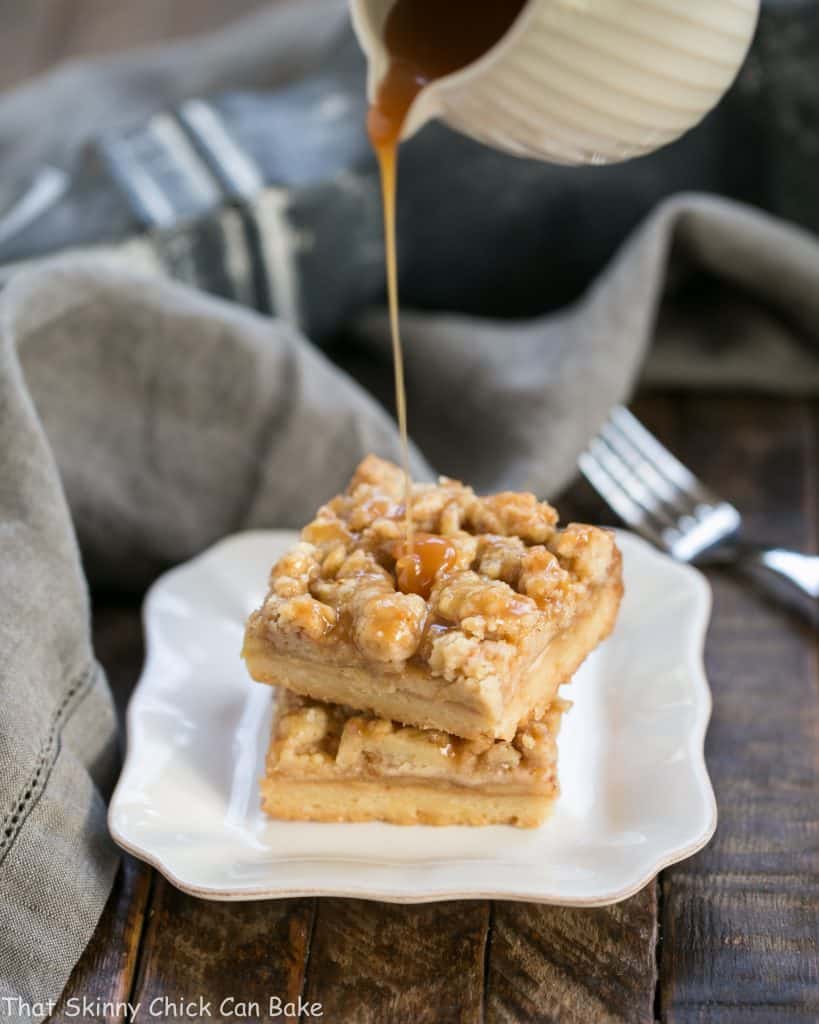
(703, 708)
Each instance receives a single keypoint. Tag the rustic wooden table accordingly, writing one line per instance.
(729, 935)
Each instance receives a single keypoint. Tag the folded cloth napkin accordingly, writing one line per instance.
(140, 421)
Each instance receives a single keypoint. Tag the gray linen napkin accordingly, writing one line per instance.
(158, 419)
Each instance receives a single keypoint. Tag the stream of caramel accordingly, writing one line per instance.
(425, 40)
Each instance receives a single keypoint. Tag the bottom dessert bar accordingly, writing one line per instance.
(329, 763)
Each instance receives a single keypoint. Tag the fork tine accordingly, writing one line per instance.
(676, 501)
(620, 471)
(660, 457)
(678, 511)
(613, 493)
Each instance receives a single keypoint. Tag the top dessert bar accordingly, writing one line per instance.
(471, 633)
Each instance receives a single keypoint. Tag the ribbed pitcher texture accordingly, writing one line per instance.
(584, 81)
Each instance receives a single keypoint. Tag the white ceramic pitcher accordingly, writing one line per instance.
(583, 81)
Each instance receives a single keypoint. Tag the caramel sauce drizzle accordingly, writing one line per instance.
(425, 40)
(417, 567)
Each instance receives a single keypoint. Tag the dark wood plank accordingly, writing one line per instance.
(557, 965)
(105, 974)
(119, 647)
(741, 920)
(246, 953)
(389, 964)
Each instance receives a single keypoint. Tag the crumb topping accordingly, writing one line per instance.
(310, 737)
(488, 572)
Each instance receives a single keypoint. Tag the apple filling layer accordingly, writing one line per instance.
(329, 763)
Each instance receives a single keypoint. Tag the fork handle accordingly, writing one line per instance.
(789, 576)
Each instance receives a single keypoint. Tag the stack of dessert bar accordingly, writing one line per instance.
(419, 684)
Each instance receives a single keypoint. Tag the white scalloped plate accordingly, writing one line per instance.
(636, 795)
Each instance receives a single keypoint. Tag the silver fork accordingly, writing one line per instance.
(654, 494)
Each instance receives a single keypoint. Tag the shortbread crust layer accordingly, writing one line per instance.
(411, 804)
